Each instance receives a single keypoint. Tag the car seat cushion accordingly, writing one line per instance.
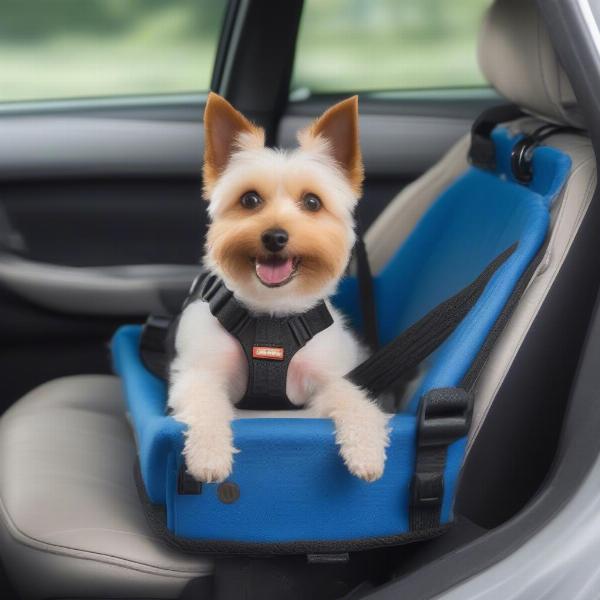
(290, 468)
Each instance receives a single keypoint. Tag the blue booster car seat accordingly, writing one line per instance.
(450, 288)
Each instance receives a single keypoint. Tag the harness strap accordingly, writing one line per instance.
(269, 343)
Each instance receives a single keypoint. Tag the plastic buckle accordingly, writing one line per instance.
(186, 484)
(427, 490)
(520, 159)
(445, 416)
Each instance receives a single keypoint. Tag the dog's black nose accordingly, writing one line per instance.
(274, 240)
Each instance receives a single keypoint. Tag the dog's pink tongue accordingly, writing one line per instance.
(274, 272)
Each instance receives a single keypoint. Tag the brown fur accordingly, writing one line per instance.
(339, 126)
(223, 126)
(318, 239)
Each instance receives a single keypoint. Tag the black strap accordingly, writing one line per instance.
(385, 368)
(269, 343)
(482, 153)
(444, 417)
(156, 350)
(366, 289)
(444, 414)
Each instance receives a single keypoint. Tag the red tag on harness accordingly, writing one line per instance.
(267, 353)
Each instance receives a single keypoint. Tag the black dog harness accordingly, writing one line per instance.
(269, 343)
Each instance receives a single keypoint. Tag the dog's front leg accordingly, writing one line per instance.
(202, 402)
(361, 428)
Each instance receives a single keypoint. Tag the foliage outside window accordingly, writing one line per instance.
(76, 48)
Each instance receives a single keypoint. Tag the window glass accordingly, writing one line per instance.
(355, 45)
(76, 48)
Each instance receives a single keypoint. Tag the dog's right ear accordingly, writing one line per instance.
(339, 127)
(225, 131)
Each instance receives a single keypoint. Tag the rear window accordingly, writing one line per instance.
(75, 48)
(361, 45)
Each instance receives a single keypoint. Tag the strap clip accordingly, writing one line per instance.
(444, 417)
(427, 490)
(521, 157)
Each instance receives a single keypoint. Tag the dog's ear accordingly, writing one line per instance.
(339, 127)
(225, 130)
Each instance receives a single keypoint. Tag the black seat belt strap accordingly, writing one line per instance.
(386, 367)
(482, 153)
(444, 417)
(366, 289)
(445, 413)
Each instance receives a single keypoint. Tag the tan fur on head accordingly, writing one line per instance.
(338, 128)
(320, 242)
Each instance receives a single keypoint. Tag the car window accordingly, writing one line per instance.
(359, 45)
(75, 48)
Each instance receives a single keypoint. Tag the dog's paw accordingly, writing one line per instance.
(367, 464)
(207, 459)
(363, 439)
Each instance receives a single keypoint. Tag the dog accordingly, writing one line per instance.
(280, 238)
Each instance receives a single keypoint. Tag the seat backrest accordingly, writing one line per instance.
(477, 218)
(518, 59)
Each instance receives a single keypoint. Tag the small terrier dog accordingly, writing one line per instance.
(305, 198)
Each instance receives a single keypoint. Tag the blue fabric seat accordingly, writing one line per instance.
(294, 488)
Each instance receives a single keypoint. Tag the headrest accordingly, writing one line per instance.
(517, 58)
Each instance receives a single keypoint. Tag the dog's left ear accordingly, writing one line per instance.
(339, 127)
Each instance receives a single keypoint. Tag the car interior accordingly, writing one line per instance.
(102, 223)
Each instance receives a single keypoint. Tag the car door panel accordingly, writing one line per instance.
(103, 222)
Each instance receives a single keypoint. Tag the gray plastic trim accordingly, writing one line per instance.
(560, 561)
(109, 105)
(45, 146)
(399, 144)
(133, 290)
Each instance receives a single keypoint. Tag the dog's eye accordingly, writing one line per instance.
(250, 200)
(311, 202)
